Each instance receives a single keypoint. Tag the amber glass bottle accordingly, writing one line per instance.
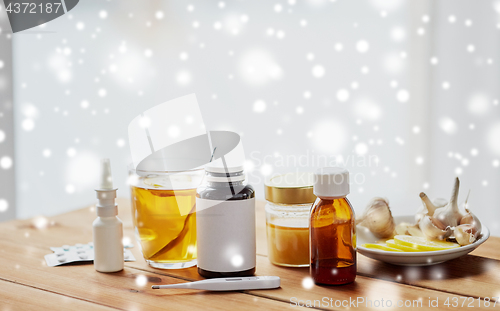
(332, 229)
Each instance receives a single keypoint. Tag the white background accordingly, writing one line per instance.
(414, 84)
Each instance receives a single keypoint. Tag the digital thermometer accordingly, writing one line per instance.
(227, 284)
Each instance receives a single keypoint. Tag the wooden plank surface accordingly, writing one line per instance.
(14, 296)
(21, 261)
(473, 275)
(123, 290)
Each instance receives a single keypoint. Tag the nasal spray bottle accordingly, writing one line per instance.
(107, 228)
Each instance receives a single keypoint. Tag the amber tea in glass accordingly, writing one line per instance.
(165, 220)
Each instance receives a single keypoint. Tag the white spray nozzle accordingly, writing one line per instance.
(106, 178)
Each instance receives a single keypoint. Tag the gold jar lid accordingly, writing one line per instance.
(290, 188)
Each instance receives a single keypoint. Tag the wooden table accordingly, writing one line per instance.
(27, 283)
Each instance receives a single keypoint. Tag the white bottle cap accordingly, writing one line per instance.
(331, 182)
(215, 167)
(218, 168)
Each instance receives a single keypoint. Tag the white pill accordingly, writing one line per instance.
(91, 244)
(79, 251)
(66, 247)
(126, 256)
(59, 253)
(79, 245)
(83, 256)
(61, 259)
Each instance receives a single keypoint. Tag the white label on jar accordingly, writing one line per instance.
(226, 235)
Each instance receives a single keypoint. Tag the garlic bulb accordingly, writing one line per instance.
(428, 207)
(434, 229)
(465, 234)
(449, 215)
(377, 217)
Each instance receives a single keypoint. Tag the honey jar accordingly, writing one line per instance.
(289, 199)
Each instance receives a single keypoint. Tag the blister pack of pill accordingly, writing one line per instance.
(77, 253)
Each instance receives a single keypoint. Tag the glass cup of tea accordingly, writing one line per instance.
(163, 212)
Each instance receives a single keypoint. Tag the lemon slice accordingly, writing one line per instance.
(381, 247)
(393, 244)
(383, 241)
(423, 244)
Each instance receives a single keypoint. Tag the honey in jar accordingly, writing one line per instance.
(288, 245)
(289, 198)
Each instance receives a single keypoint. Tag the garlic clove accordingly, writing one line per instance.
(469, 229)
(414, 230)
(402, 228)
(471, 219)
(433, 229)
(465, 234)
(449, 215)
(463, 208)
(377, 217)
(428, 207)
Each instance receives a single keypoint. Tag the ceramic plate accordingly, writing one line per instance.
(413, 258)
